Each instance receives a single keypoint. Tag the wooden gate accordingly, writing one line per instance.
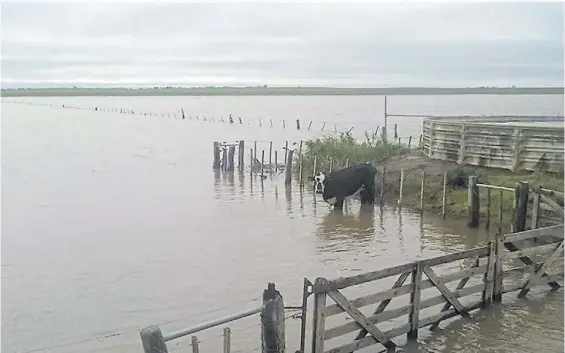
(487, 263)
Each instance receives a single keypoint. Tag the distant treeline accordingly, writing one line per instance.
(268, 91)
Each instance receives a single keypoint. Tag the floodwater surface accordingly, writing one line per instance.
(112, 222)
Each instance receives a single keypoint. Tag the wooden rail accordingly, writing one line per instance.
(488, 263)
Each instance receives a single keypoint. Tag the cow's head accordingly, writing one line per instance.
(319, 182)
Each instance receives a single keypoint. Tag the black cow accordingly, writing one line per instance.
(339, 184)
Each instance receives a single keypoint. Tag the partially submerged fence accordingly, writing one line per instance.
(483, 274)
(539, 206)
(487, 262)
(489, 142)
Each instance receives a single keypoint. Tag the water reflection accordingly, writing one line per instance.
(339, 224)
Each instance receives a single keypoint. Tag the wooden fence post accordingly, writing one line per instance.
(319, 326)
(224, 158)
(487, 225)
(152, 340)
(414, 316)
(272, 321)
(285, 151)
(216, 164)
(297, 124)
(271, 155)
(262, 161)
(443, 195)
(521, 206)
(473, 203)
(422, 191)
(288, 176)
(227, 340)
(231, 155)
(383, 184)
(241, 154)
(490, 274)
(395, 131)
(497, 287)
(535, 210)
(255, 150)
(401, 187)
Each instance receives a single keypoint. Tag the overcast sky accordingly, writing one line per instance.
(318, 44)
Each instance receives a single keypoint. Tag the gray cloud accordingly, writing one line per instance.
(329, 44)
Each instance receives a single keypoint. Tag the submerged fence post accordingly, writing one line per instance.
(422, 191)
(473, 203)
(216, 164)
(288, 176)
(241, 154)
(297, 124)
(231, 155)
(152, 340)
(443, 195)
(272, 321)
(224, 158)
(521, 206)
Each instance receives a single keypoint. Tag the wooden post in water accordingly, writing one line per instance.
(444, 194)
(224, 157)
(310, 125)
(231, 156)
(251, 162)
(285, 152)
(262, 162)
(288, 176)
(323, 126)
(314, 166)
(473, 203)
(395, 131)
(498, 269)
(276, 162)
(194, 344)
(284, 124)
(152, 340)
(422, 191)
(241, 154)
(216, 164)
(409, 141)
(297, 124)
(521, 206)
(271, 155)
(300, 163)
(227, 340)
(500, 212)
(255, 149)
(383, 184)
(272, 321)
(401, 188)
(420, 141)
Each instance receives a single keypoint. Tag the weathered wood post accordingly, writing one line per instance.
(383, 185)
(241, 154)
(152, 340)
(300, 163)
(409, 141)
(288, 176)
(262, 161)
(444, 194)
(310, 125)
(231, 156)
(401, 187)
(297, 124)
(224, 158)
(535, 210)
(182, 112)
(276, 161)
(415, 297)
(422, 191)
(498, 270)
(285, 151)
(216, 164)
(395, 131)
(255, 150)
(314, 165)
(272, 321)
(323, 126)
(521, 206)
(473, 203)
(271, 155)
(251, 162)
(487, 225)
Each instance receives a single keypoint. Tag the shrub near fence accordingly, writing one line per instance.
(481, 142)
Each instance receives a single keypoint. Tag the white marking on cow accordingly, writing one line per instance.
(332, 200)
(319, 182)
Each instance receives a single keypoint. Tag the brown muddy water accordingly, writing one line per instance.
(112, 222)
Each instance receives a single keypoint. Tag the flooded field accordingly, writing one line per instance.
(111, 222)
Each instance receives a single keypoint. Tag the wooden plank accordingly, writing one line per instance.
(369, 341)
(476, 252)
(556, 231)
(403, 290)
(445, 291)
(398, 312)
(496, 187)
(344, 282)
(319, 319)
(460, 285)
(382, 306)
(535, 210)
(415, 298)
(527, 261)
(537, 275)
(556, 207)
(536, 250)
(361, 319)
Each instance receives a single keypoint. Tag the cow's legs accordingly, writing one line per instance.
(339, 203)
(368, 194)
